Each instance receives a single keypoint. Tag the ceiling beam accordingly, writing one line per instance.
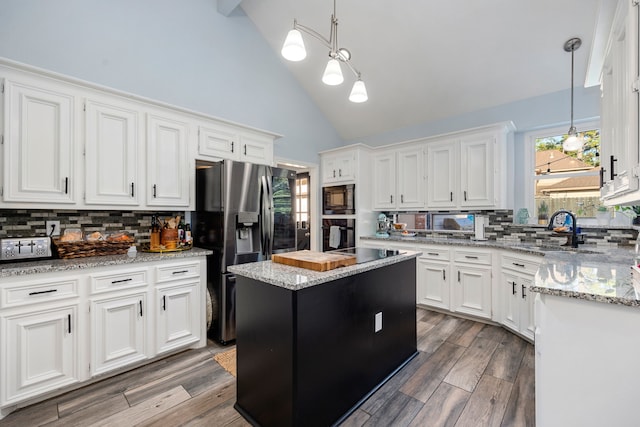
(226, 7)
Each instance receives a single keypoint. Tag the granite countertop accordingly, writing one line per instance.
(295, 278)
(52, 265)
(591, 272)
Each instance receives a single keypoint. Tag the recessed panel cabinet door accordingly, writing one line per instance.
(433, 284)
(168, 173)
(178, 316)
(118, 331)
(384, 181)
(411, 191)
(477, 171)
(472, 291)
(441, 175)
(39, 145)
(41, 352)
(112, 146)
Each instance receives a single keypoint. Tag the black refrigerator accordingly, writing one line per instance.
(244, 213)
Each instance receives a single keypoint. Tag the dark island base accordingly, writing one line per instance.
(310, 357)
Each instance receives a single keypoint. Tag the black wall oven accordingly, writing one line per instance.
(338, 234)
(339, 200)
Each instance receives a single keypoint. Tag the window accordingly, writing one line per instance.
(563, 180)
(302, 201)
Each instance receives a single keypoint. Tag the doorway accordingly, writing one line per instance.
(303, 229)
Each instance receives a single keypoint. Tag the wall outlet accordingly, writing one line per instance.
(378, 322)
(53, 228)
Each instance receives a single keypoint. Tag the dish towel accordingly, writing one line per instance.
(334, 237)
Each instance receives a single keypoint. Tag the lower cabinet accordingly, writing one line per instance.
(516, 300)
(433, 277)
(41, 348)
(471, 290)
(59, 329)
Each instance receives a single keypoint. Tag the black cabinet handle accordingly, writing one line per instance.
(471, 257)
(140, 308)
(245, 149)
(513, 288)
(180, 272)
(444, 274)
(451, 196)
(465, 195)
(334, 173)
(133, 189)
(43, 292)
(518, 265)
(458, 275)
(433, 253)
(154, 191)
(69, 323)
(612, 166)
(524, 295)
(232, 146)
(339, 172)
(164, 302)
(66, 185)
(113, 282)
(602, 177)
(392, 198)
(402, 198)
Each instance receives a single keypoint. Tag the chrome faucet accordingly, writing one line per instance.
(574, 228)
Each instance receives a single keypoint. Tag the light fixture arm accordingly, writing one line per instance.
(570, 46)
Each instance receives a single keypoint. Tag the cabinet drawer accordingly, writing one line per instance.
(518, 263)
(472, 257)
(38, 291)
(177, 271)
(114, 281)
(441, 254)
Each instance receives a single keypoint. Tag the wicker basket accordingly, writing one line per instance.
(83, 248)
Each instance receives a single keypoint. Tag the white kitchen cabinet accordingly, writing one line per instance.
(517, 276)
(468, 169)
(433, 278)
(39, 147)
(338, 167)
(221, 141)
(442, 179)
(472, 282)
(169, 173)
(118, 331)
(620, 155)
(399, 179)
(114, 138)
(178, 315)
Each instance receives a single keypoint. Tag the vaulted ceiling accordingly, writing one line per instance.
(427, 60)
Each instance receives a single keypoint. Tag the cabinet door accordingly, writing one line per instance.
(256, 149)
(384, 181)
(118, 331)
(527, 320)
(39, 147)
(472, 291)
(477, 171)
(178, 316)
(433, 284)
(441, 175)
(113, 140)
(510, 299)
(338, 167)
(168, 169)
(219, 141)
(411, 179)
(41, 352)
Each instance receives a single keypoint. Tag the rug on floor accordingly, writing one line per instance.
(227, 360)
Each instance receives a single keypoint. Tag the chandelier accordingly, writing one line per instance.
(294, 50)
(574, 141)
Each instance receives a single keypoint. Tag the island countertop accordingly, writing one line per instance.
(295, 278)
(52, 265)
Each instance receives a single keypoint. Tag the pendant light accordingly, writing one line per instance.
(574, 140)
(293, 49)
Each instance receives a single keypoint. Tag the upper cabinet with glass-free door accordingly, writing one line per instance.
(398, 178)
(620, 82)
(39, 147)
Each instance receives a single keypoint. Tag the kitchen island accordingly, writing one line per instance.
(312, 346)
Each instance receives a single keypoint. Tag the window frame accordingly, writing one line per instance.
(530, 158)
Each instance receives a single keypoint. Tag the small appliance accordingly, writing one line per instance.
(339, 200)
(383, 226)
(22, 248)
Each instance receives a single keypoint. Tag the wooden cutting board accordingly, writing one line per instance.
(311, 260)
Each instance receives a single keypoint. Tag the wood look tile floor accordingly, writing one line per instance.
(466, 374)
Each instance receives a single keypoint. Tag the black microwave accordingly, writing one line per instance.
(339, 199)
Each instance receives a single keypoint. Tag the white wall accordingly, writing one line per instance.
(182, 52)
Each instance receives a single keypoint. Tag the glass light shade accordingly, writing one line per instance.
(574, 142)
(293, 47)
(333, 73)
(358, 92)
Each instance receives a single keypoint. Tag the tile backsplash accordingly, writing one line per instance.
(501, 228)
(31, 222)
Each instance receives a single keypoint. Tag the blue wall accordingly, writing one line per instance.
(180, 52)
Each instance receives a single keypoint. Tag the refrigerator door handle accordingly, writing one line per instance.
(264, 220)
